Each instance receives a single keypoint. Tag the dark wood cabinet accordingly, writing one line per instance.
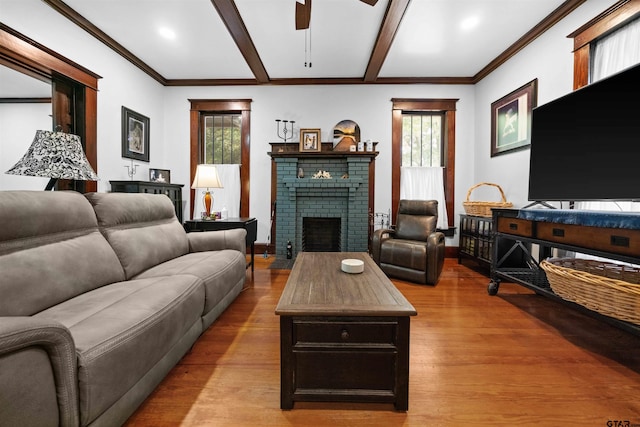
(476, 240)
(173, 191)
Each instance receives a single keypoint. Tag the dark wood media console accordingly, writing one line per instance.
(621, 244)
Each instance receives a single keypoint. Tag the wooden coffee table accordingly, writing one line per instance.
(343, 337)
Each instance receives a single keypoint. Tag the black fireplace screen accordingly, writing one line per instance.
(321, 234)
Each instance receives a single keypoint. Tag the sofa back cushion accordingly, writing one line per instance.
(50, 251)
(142, 228)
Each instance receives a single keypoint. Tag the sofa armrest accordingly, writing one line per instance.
(435, 256)
(379, 236)
(38, 373)
(218, 240)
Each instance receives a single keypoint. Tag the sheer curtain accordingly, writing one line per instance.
(425, 183)
(613, 53)
(227, 197)
(617, 51)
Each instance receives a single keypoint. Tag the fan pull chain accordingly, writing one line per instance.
(307, 47)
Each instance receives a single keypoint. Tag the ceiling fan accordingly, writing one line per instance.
(303, 13)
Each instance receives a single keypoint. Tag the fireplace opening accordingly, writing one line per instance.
(321, 234)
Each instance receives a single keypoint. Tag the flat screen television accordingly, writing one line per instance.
(586, 145)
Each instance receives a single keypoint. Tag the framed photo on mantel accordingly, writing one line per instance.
(310, 140)
(511, 119)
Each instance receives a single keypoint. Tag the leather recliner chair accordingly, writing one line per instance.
(413, 250)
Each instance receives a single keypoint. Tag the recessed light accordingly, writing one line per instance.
(167, 33)
(469, 23)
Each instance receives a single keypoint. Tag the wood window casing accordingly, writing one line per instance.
(74, 94)
(448, 106)
(240, 106)
(608, 21)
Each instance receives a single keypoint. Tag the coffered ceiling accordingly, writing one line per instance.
(228, 42)
(255, 41)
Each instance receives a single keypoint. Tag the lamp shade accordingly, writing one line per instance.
(206, 177)
(55, 155)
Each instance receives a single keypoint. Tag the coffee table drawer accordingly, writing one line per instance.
(342, 331)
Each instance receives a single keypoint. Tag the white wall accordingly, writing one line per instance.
(121, 84)
(315, 107)
(549, 59)
(18, 125)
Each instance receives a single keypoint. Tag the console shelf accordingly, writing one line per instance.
(520, 232)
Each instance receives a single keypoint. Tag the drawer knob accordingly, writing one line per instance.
(344, 335)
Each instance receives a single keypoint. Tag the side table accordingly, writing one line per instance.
(249, 224)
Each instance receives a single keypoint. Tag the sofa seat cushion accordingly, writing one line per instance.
(220, 271)
(410, 254)
(122, 330)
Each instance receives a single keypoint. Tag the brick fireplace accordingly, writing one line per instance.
(340, 205)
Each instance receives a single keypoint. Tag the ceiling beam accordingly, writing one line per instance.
(231, 17)
(25, 100)
(388, 29)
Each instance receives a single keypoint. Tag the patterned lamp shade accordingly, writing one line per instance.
(55, 155)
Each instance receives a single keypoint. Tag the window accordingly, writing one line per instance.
(445, 111)
(422, 138)
(221, 138)
(226, 142)
(611, 41)
(587, 36)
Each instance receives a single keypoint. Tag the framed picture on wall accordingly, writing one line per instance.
(511, 119)
(135, 135)
(310, 140)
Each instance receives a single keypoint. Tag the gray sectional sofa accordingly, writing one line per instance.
(100, 296)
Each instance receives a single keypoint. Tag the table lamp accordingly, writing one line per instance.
(207, 177)
(55, 155)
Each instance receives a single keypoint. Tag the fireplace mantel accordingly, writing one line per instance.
(291, 149)
(322, 154)
(301, 186)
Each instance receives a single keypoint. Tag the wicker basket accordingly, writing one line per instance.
(608, 288)
(484, 208)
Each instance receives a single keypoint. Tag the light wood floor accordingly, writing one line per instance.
(476, 360)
